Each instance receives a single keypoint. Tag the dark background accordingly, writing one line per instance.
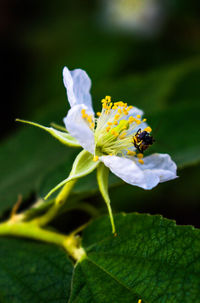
(38, 38)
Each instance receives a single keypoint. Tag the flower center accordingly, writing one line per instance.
(116, 131)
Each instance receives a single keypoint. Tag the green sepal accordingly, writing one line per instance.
(102, 179)
(63, 137)
(82, 166)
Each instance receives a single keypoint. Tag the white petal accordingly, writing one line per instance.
(162, 165)
(78, 86)
(156, 168)
(130, 172)
(79, 128)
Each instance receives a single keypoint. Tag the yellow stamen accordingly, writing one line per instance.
(122, 136)
(138, 116)
(114, 133)
(139, 301)
(144, 120)
(109, 123)
(131, 153)
(98, 114)
(138, 122)
(141, 161)
(116, 117)
(140, 156)
(96, 158)
(108, 128)
(115, 122)
(89, 119)
(92, 125)
(148, 129)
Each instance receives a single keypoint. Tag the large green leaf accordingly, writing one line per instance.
(150, 259)
(33, 272)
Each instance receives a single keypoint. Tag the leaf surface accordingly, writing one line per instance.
(151, 259)
(33, 272)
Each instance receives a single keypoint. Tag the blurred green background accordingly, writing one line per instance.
(157, 70)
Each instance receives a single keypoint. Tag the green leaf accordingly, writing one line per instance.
(151, 258)
(33, 272)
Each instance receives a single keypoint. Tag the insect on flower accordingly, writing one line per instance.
(142, 139)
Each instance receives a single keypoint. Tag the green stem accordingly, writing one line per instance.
(30, 230)
(59, 202)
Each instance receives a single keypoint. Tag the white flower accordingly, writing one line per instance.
(114, 140)
(109, 137)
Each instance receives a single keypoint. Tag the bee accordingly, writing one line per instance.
(142, 140)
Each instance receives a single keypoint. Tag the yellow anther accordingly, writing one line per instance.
(104, 105)
(109, 123)
(103, 100)
(139, 301)
(115, 122)
(114, 107)
(141, 161)
(122, 136)
(131, 153)
(130, 107)
(138, 121)
(140, 156)
(131, 119)
(114, 133)
(148, 129)
(98, 114)
(138, 116)
(108, 128)
(144, 120)
(89, 119)
(119, 111)
(96, 158)
(84, 115)
(108, 98)
(116, 117)
(124, 127)
(92, 125)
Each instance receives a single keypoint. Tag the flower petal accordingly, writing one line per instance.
(162, 165)
(157, 168)
(78, 86)
(78, 127)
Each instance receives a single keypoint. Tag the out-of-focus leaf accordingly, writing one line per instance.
(151, 259)
(33, 272)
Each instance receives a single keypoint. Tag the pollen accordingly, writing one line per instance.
(141, 161)
(84, 115)
(131, 153)
(148, 129)
(140, 156)
(96, 158)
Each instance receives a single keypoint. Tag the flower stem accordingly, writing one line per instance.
(59, 202)
(33, 231)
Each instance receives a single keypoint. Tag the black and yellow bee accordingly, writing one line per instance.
(142, 140)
